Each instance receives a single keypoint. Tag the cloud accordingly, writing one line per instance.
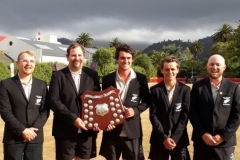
(145, 21)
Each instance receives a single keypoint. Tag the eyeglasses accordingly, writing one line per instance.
(26, 61)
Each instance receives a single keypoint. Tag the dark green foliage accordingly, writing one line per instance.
(158, 46)
(115, 42)
(43, 71)
(190, 68)
(5, 71)
(85, 39)
(207, 43)
(104, 57)
(223, 34)
(196, 48)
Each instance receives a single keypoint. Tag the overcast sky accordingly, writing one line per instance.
(145, 21)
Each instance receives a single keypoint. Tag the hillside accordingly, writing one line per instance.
(207, 43)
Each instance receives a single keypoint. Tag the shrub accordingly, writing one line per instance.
(5, 72)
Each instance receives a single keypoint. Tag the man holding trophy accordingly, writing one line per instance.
(72, 139)
(126, 138)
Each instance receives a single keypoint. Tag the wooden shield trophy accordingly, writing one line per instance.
(99, 109)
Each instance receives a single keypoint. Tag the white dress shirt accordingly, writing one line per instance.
(123, 87)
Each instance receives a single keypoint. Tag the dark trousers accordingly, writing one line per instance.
(23, 151)
(159, 152)
(212, 153)
(131, 149)
(83, 147)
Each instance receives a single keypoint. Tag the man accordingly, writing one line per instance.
(215, 113)
(72, 140)
(24, 110)
(125, 139)
(169, 107)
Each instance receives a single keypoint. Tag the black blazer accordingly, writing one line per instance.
(18, 113)
(165, 117)
(221, 117)
(66, 102)
(139, 87)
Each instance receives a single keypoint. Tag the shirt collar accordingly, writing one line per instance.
(132, 75)
(169, 90)
(216, 87)
(73, 73)
(28, 83)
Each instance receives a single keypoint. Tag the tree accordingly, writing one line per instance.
(104, 57)
(171, 49)
(223, 34)
(139, 69)
(185, 55)
(156, 57)
(84, 39)
(191, 67)
(196, 48)
(228, 51)
(236, 38)
(115, 42)
(144, 61)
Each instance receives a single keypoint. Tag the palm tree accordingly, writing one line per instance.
(196, 48)
(84, 39)
(115, 42)
(223, 34)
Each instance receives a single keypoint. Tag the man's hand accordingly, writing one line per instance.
(129, 112)
(29, 134)
(169, 144)
(110, 127)
(218, 139)
(208, 139)
(80, 124)
(96, 129)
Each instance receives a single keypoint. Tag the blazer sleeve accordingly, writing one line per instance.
(6, 112)
(43, 110)
(193, 112)
(156, 124)
(234, 119)
(56, 104)
(144, 96)
(183, 118)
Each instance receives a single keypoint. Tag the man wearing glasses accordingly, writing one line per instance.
(24, 110)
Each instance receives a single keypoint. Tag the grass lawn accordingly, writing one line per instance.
(49, 146)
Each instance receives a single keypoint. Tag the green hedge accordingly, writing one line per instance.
(4, 71)
(42, 71)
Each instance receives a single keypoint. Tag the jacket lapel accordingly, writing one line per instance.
(132, 87)
(175, 95)
(69, 76)
(82, 82)
(208, 90)
(18, 82)
(221, 92)
(163, 91)
(113, 80)
(33, 89)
